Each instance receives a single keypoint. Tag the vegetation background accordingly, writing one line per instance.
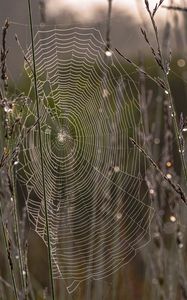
(158, 271)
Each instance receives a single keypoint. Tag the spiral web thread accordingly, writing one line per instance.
(98, 208)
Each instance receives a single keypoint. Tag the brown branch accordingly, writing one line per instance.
(184, 9)
(4, 53)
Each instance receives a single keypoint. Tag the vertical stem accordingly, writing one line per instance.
(176, 129)
(6, 245)
(168, 89)
(41, 154)
(175, 123)
(4, 77)
(17, 233)
(108, 25)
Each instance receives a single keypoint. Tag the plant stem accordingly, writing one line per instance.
(175, 187)
(6, 245)
(176, 129)
(41, 153)
(168, 90)
(17, 232)
(108, 25)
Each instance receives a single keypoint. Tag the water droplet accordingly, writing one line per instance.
(168, 70)
(116, 169)
(16, 162)
(118, 216)
(11, 199)
(181, 63)
(184, 129)
(181, 151)
(17, 256)
(7, 108)
(169, 176)
(166, 92)
(156, 235)
(173, 219)
(151, 191)
(180, 245)
(48, 131)
(169, 164)
(105, 93)
(108, 53)
(24, 272)
(157, 141)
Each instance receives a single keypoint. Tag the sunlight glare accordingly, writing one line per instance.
(86, 11)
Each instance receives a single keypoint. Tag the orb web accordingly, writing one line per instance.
(98, 208)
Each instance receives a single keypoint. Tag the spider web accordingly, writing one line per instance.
(98, 208)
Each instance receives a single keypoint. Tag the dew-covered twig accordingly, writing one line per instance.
(8, 251)
(165, 68)
(4, 53)
(176, 187)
